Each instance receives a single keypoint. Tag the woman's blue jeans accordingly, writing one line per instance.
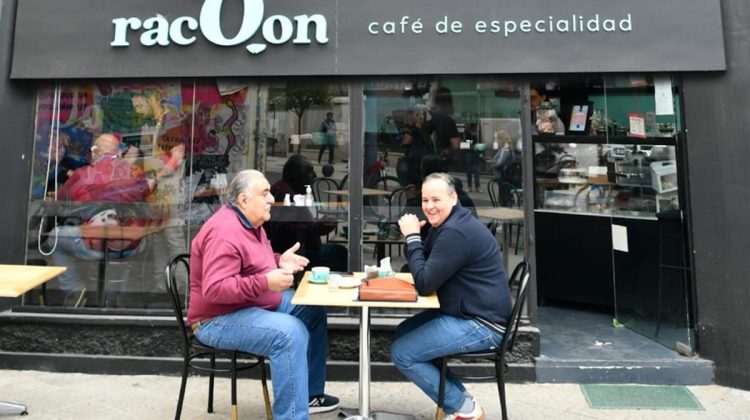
(430, 335)
(295, 340)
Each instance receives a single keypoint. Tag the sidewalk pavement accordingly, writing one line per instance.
(140, 397)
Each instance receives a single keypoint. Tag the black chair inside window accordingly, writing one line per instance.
(496, 355)
(505, 194)
(377, 206)
(193, 350)
(331, 205)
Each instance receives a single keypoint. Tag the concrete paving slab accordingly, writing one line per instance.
(53, 396)
(95, 397)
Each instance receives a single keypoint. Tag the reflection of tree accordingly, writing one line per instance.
(299, 97)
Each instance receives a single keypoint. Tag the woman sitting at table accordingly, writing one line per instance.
(460, 260)
(289, 225)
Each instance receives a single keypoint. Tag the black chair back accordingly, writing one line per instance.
(511, 329)
(398, 200)
(503, 194)
(174, 296)
(332, 204)
(320, 188)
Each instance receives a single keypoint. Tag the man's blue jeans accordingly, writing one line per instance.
(294, 338)
(430, 335)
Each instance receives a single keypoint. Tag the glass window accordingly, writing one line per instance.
(126, 172)
(612, 150)
(415, 126)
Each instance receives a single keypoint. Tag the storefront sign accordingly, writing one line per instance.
(191, 38)
(158, 30)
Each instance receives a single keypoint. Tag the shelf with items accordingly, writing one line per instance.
(629, 180)
(603, 139)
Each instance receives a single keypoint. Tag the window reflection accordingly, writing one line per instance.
(187, 138)
(417, 126)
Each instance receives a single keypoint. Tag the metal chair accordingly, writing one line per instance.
(496, 355)
(192, 349)
(377, 207)
(397, 205)
(332, 205)
(505, 194)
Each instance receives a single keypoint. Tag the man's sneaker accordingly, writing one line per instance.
(323, 403)
(476, 414)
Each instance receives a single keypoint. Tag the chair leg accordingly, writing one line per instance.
(518, 239)
(183, 385)
(500, 375)
(441, 389)
(234, 387)
(211, 384)
(266, 397)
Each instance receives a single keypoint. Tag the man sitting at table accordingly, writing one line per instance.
(109, 179)
(240, 299)
(460, 260)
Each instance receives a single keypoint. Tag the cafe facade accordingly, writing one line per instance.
(629, 172)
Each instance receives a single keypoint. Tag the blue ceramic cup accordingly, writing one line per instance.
(320, 274)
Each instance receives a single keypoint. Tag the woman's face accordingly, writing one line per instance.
(437, 201)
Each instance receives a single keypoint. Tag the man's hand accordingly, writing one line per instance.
(291, 261)
(280, 279)
(409, 224)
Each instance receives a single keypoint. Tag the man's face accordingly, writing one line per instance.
(141, 106)
(437, 202)
(535, 99)
(256, 204)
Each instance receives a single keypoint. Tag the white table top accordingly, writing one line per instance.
(500, 213)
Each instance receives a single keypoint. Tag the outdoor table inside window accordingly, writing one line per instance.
(15, 280)
(505, 215)
(319, 295)
(365, 192)
(379, 243)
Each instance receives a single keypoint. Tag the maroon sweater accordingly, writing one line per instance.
(229, 260)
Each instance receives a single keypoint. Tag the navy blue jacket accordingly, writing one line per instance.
(462, 262)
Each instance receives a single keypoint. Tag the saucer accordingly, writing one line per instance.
(313, 281)
(349, 282)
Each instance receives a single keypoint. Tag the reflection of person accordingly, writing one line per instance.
(415, 145)
(158, 118)
(164, 149)
(460, 260)
(503, 156)
(328, 140)
(440, 126)
(297, 224)
(63, 162)
(474, 157)
(240, 299)
(108, 179)
(536, 97)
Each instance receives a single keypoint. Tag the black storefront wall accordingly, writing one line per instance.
(718, 122)
(356, 40)
(214, 38)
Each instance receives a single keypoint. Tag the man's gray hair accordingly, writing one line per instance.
(243, 182)
(442, 176)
